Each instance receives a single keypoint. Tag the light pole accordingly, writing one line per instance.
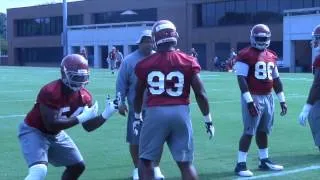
(65, 27)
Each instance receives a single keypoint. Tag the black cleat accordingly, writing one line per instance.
(242, 170)
(266, 164)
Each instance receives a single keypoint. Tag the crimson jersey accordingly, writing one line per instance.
(261, 66)
(316, 63)
(52, 96)
(168, 77)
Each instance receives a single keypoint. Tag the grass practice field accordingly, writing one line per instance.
(106, 152)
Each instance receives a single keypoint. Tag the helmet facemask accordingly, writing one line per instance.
(260, 41)
(75, 80)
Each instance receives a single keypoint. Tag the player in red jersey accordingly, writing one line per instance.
(311, 109)
(61, 104)
(167, 76)
(257, 74)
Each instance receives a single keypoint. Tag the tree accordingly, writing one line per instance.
(3, 25)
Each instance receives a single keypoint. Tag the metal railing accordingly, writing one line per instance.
(304, 11)
(112, 25)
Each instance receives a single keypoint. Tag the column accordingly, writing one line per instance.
(125, 50)
(97, 57)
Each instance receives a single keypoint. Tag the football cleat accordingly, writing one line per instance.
(242, 170)
(266, 164)
(135, 174)
(157, 173)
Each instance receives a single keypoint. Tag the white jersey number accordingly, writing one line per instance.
(64, 110)
(156, 81)
(263, 70)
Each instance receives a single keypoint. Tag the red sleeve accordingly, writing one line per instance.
(316, 63)
(195, 66)
(86, 97)
(243, 56)
(47, 98)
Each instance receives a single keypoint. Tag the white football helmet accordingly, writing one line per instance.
(260, 36)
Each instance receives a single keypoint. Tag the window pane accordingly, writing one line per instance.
(210, 17)
(284, 5)
(262, 5)
(297, 4)
(307, 3)
(220, 11)
(273, 5)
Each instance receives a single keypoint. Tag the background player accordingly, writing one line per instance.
(61, 104)
(167, 75)
(126, 84)
(257, 74)
(311, 110)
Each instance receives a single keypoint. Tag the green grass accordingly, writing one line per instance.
(106, 152)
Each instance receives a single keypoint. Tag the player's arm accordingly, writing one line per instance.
(97, 121)
(312, 97)
(278, 89)
(203, 103)
(122, 87)
(53, 121)
(242, 70)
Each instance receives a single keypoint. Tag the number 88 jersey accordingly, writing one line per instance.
(167, 76)
(262, 69)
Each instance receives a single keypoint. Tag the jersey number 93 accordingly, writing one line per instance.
(156, 81)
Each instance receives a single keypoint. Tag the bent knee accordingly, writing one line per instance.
(37, 172)
(78, 168)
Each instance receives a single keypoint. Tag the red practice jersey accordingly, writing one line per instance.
(52, 96)
(168, 77)
(261, 66)
(316, 63)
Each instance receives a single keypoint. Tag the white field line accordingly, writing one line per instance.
(283, 173)
(194, 103)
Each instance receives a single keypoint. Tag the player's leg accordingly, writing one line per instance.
(314, 123)
(64, 152)
(249, 128)
(133, 141)
(263, 130)
(180, 140)
(34, 147)
(188, 172)
(152, 137)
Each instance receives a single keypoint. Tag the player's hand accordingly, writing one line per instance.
(210, 129)
(304, 114)
(123, 109)
(284, 108)
(88, 113)
(253, 109)
(111, 107)
(137, 124)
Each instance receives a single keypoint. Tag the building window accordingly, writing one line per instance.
(39, 55)
(235, 12)
(116, 17)
(44, 26)
(222, 51)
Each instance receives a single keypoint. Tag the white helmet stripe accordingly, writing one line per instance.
(165, 26)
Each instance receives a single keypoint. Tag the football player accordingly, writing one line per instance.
(126, 83)
(310, 110)
(167, 76)
(257, 74)
(61, 104)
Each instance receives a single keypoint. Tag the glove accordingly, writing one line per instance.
(137, 123)
(284, 108)
(209, 125)
(304, 114)
(88, 113)
(111, 107)
(253, 109)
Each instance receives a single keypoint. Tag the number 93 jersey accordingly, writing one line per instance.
(167, 76)
(262, 69)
